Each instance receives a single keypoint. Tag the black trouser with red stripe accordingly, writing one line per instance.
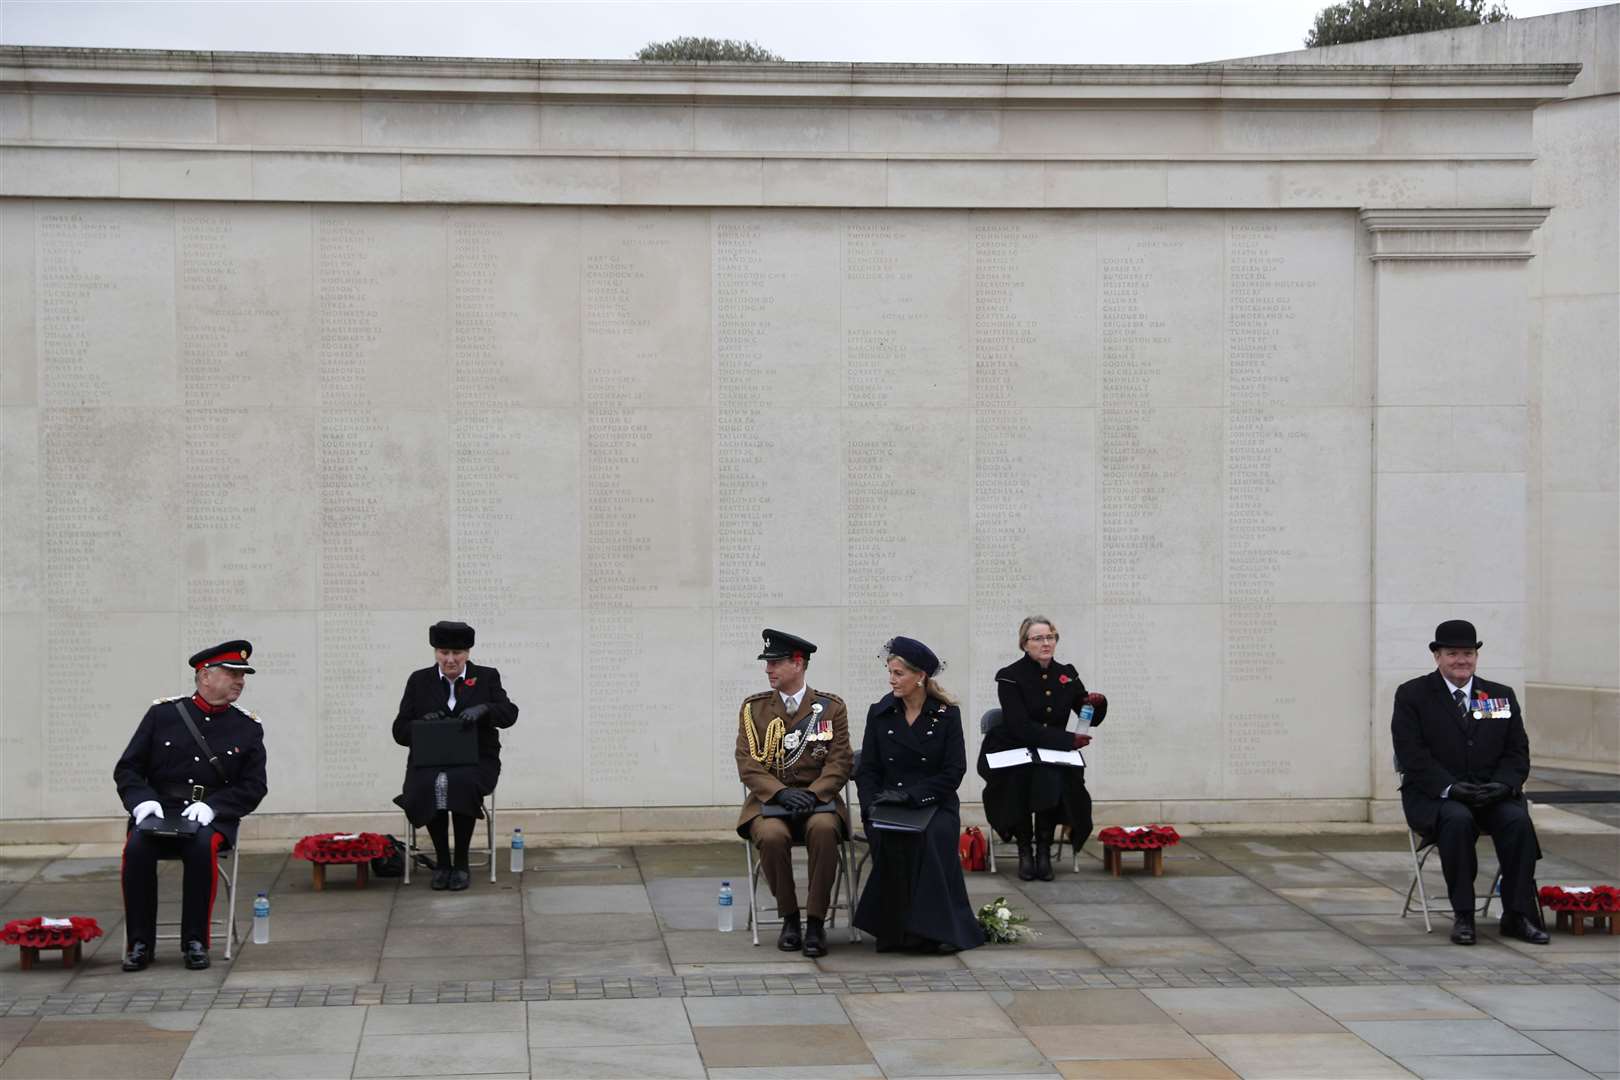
(201, 882)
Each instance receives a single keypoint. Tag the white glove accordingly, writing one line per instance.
(200, 812)
(146, 809)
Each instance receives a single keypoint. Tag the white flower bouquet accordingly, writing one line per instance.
(1004, 926)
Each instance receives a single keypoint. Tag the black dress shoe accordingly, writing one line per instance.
(1520, 926)
(441, 877)
(790, 940)
(1026, 861)
(1462, 931)
(460, 878)
(196, 954)
(139, 955)
(815, 938)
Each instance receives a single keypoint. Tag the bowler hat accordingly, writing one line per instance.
(1455, 634)
(450, 635)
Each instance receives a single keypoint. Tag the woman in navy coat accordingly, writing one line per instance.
(436, 796)
(913, 755)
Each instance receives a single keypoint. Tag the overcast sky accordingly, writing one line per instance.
(969, 31)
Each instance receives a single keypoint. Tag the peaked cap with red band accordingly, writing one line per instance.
(229, 654)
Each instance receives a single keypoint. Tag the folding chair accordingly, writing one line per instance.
(988, 723)
(1421, 848)
(841, 886)
(488, 804)
(229, 881)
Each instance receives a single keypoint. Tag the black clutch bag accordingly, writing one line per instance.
(443, 743)
(168, 828)
(895, 818)
(774, 810)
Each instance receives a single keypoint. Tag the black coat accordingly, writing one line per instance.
(926, 760)
(425, 693)
(1436, 746)
(1036, 703)
(915, 892)
(162, 761)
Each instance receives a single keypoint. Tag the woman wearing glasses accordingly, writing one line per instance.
(1026, 803)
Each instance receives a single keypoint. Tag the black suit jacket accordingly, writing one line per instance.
(1436, 746)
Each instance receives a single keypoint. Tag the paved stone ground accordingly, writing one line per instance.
(1256, 956)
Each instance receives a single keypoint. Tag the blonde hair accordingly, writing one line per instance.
(930, 687)
(1033, 621)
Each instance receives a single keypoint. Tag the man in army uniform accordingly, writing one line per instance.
(793, 755)
(196, 768)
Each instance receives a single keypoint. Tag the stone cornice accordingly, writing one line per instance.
(33, 68)
(1446, 234)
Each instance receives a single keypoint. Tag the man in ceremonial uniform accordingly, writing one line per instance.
(1463, 755)
(195, 767)
(793, 755)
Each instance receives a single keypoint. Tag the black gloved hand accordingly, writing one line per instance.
(472, 714)
(892, 797)
(1467, 794)
(797, 800)
(1493, 792)
(436, 714)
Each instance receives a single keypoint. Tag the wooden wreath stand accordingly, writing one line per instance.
(72, 953)
(1603, 922)
(317, 874)
(1152, 859)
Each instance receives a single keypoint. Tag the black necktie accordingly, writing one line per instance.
(1462, 702)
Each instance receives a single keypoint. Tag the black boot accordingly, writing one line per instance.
(790, 940)
(815, 938)
(1043, 854)
(196, 954)
(1026, 857)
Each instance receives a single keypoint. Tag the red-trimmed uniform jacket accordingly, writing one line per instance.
(163, 763)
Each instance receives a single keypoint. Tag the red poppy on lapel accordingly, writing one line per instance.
(470, 682)
(1063, 678)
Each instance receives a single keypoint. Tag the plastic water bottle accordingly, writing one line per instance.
(261, 920)
(1086, 713)
(725, 907)
(517, 851)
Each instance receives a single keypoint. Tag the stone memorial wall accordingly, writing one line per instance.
(622, 363)
(621, 441)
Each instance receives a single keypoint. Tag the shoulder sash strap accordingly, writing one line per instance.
(202, 743)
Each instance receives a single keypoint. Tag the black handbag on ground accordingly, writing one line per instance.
(393, 863)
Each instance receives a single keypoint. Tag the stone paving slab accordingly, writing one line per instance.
(1268, 960)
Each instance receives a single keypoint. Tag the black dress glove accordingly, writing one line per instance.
(1493, 792)
(1467, 794)
(472, 715)
(891, 797)
(796, 800)
(436, 714)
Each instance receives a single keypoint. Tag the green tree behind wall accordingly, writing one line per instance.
(1364, 20)
(705, 48)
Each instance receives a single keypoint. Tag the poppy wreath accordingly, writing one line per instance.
(29, 933)
(341, 848)
(1603, 899)
(1143, 839)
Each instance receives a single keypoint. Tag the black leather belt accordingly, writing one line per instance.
(185, 792)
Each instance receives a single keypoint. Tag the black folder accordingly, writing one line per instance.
(894, 818)
(443, 742)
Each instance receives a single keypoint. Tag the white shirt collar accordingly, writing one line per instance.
(790, 702)
(1467, 688)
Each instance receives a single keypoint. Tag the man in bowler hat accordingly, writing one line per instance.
(195, 766)
(794, 757)
(1463, 756)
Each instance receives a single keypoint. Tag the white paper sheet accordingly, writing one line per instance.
(1006, 759)
(1061, 757)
